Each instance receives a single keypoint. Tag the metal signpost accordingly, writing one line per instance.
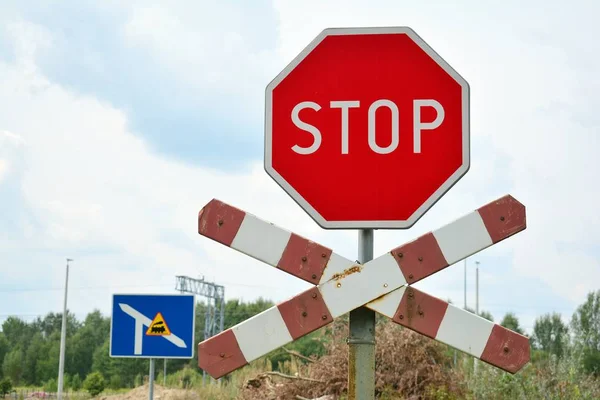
(365, 129)
(376, 108)
(152, 326)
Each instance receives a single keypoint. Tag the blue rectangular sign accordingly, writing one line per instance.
(152, 326)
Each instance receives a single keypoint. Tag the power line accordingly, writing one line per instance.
(48, 289)
(33, 315)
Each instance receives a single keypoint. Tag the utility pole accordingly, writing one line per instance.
(465, 296)
(63, 337)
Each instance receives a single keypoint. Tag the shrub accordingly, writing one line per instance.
(115, 382)
(94, 384)
(138, 380)
(66, 382)
(51, 386)
(76, 382)
(5, 386)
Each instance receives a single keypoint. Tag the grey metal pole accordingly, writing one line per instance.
(151, 380)
(63, 338)
(361, 341)
(465, 296)
(222, 322)
(165, 374)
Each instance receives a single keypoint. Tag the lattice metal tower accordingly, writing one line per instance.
(214, 318)
(215, 307)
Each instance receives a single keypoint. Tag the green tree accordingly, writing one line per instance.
(94, 384)
(101, 360)
(29, 352)
(13, 365)
(47, 360)
(35, 352)
(5, 386)
(52, 323)
(84, 343)
(487, 315)
(34, 347)
(17, 332)
(483, 314)
(510, 321)
(550, 334)
(236, 311)
(126, 369)
(3, 350)
(585, 324)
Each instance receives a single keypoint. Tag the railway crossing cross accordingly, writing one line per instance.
(382, 285)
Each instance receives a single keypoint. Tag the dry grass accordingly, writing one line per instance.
(409, 366)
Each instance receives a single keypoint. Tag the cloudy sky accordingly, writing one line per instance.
(120, 120)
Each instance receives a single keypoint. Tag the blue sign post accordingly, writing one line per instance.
(152, 326)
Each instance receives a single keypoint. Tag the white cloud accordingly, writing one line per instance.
(7, 137)
(3, 169)
(9, 144)
(93, 185)
(213, 48)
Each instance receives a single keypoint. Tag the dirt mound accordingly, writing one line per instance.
(160, 393)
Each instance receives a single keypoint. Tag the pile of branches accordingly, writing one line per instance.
(408, 366)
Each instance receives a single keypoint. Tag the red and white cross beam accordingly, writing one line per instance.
(380, 284)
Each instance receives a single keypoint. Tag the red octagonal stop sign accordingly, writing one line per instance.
(367, 128)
